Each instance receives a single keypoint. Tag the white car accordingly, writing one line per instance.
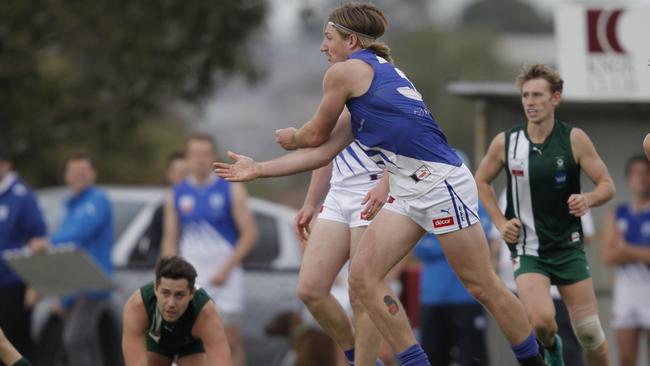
(270, 271)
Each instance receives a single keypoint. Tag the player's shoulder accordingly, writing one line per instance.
(135, 301)
(347, 70)
(98, 195)
(577, 132)
(499, 141)
(206, 309)
(135, 315)
(579, 139)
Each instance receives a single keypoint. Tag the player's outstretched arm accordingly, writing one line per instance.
(646, 145)
(134, 326)
(245, 169)
(587, 157)
(209, 329)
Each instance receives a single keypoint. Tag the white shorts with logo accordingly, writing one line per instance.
(631, 301)
(345, 206)
(451, 205)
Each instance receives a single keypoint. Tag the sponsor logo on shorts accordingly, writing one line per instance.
(517, 172)
(391, 199)
(420, 174)
(442, 222)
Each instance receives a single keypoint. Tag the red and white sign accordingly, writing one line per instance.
(442, 222)
(604, 52)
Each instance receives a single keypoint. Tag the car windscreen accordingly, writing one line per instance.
(123, 213)
(267, 246)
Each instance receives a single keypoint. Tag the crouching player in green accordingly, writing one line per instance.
(171, 321)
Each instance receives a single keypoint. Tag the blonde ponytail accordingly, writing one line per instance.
(381, 49)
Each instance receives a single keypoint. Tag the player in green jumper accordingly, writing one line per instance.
(543, 159)
(171, 321)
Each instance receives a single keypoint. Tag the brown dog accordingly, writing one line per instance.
(313, 347)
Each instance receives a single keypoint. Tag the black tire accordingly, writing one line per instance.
(49, 349)
(110, 340)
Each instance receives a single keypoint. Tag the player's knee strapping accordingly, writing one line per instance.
(589, 332)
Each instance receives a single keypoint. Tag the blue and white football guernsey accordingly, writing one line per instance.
(208, 234)
(391, 123)
(353, 175)
(352, 169)
(631, 300)
(396, 129)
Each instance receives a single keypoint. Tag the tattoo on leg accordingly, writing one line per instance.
(391, 304)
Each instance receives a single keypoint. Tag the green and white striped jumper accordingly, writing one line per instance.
(541, 177)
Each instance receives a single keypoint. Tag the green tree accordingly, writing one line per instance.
(432, 57)
(92, 74)
(519, 17)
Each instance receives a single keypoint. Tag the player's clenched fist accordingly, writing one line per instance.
(286, 137)
(510, 231)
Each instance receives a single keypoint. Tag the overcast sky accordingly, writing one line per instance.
(243, 117)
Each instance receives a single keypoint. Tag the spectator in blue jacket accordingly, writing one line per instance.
(87, 224)
(452, 323)
(20, 223)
